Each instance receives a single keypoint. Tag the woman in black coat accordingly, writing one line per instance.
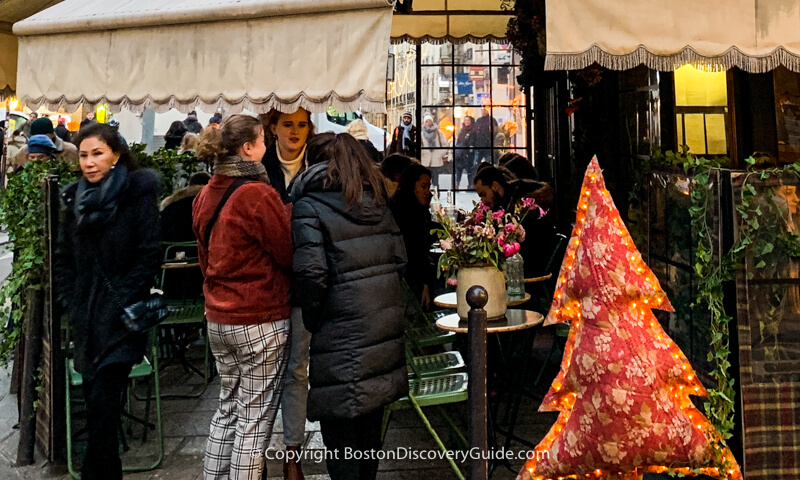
(348, 255)
(108, 255)
(174, 136)
(411, 210)
(465, 151)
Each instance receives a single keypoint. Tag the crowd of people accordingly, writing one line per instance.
(305, 243)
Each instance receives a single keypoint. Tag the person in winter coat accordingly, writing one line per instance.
(283, 161)
(65, 151)
(348, 255)
(404, 138)
(434, 148)
(358, 129)
(174, 135)
(192, 124)
(246, 263)
(61, 130)
(286, 149)
(411, 209)
(465, 151)
(107, 257)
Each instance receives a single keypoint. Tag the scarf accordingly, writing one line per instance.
(406, 135)
(96, 204)
(430, 136)
(238, 167)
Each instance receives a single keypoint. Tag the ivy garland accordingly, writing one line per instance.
(761, 240)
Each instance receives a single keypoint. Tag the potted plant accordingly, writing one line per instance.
(475, 252)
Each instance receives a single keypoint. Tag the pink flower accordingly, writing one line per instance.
(446, 244)
(481, 207)
(528, 203)
(508, 249)
(516, 247)
(501, 240)
(452, 281)
(521, 233)
(488, 231)
(510, 227)
(478, 216)
(498, 214)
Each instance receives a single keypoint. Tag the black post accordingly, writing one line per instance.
(58, 426)
(476, 336)
(34, 311)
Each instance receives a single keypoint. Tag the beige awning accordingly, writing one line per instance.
(8, 64)
(754, 35)
(249, 54)
(455, 21)
(12, 11)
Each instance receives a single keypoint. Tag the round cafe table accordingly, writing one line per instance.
(448, 300)
(514, 320)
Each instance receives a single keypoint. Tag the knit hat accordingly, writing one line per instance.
(407, 113)
(41, 126)
(41, 143)
(358, 129)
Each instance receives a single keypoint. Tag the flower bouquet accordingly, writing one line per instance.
(483, 242)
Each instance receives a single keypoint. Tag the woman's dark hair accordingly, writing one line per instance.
(408, 182)
(349, 166)
(108, 135)
(519, 166)
(271, 118)
(176, 129)
(395, 164)
(234, 132)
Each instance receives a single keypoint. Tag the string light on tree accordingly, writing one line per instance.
(623, 387)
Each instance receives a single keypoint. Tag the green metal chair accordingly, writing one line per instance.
(148, 368)
(186, 309)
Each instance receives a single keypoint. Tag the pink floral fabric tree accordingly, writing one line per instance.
(623, 388)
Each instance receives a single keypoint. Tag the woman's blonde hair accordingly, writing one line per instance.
(234, 132)
(358, 129)
(190, 142)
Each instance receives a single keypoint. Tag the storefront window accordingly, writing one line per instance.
(471, 109)
(701, 107)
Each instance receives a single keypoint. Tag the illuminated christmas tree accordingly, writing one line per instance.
(623, 388)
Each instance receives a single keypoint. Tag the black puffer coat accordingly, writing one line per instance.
(347, 263)
(127, 249)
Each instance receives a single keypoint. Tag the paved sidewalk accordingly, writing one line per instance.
(186, 423)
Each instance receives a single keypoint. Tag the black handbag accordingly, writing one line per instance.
(142, 316)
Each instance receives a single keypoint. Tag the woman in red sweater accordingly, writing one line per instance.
(245, 247)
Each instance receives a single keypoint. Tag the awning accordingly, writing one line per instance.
(455, 21)
(12, 11)
(249, 54)
(8, 64)
(754, 35)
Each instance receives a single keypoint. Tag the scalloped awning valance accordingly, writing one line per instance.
(186, 54)
(455, 21)
(754, 35)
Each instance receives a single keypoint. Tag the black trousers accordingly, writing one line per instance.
(362, 436)
(104, 405)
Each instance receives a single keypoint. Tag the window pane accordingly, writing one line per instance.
(437, 86)
(437, 54)
(695, 133)
(502, 54)
(472, 86)
(505, 89)
(436, 136)
(511, 131)
(715, 134)
(471, 53)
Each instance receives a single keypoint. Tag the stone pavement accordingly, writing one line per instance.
(186, 423)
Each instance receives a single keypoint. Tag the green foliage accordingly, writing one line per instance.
(22, 211)
(167, 162)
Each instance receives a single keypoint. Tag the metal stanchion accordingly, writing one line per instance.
(476, 336)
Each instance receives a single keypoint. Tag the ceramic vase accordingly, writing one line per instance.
(490, 278)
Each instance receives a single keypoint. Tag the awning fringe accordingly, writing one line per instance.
(733, 57)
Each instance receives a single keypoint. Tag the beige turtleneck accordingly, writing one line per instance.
(290, 167)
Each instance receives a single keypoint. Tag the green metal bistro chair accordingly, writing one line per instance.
(148, 368)
(181, 282)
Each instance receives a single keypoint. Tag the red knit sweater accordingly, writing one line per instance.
(247, 270)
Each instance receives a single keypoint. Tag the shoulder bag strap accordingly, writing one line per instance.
(232, 188)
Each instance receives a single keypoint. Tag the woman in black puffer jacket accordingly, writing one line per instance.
(347, 260)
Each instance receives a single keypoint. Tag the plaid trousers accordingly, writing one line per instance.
(251, 360)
